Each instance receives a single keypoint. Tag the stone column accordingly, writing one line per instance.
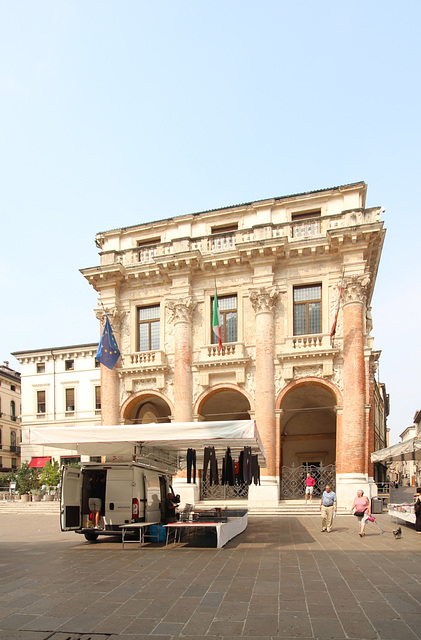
(263, 301)
(110, 381)
(182, 311)
(351, 464)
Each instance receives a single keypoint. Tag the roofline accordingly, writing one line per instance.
(235, 206)
(71, 347)
(13, 375)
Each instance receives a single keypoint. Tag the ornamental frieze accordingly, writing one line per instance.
(263, 299)
(315, 371)
(181, 310)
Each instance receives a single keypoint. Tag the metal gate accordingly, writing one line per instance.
(293, 480)
(223, 491)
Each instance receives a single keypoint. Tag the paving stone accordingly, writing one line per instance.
(198, 624)
(261, 625)
(394, 630)
(327, 628)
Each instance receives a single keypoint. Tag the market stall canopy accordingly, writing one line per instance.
(408, 450)
(39, 462)
(173, 437)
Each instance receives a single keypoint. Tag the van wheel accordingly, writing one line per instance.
(91, 537)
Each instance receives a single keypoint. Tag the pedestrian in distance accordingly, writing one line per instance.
(361, 509)
(417, 510)
(310, 482)
(328, 506)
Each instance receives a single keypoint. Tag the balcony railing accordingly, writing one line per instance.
(305, 229)
(144, 359)
(307, 343)
(293, 231)
(230, 350)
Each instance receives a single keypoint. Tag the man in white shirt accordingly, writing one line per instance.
(328, 506)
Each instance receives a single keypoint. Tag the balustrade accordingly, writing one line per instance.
(224, 242)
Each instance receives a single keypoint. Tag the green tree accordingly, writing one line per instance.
(26, 478)
(50, 475)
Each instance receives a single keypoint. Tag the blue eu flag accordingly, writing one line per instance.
(108, 352)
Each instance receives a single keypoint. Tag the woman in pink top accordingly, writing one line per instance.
(361, 505)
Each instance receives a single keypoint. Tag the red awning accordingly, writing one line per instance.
(39, 462)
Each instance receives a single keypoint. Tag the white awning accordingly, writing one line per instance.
(408, 450)
(174, 437)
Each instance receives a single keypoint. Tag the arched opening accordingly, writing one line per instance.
(224, 402)
(146, 408)
(308, 438)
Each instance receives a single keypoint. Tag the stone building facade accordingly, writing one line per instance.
(10, 422)
(60, 387)
(278, 266)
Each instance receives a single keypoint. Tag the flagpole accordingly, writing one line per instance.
(335, 321)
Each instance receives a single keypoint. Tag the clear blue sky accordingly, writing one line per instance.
(115, 113)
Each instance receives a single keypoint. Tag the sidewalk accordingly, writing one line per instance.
(282, 578)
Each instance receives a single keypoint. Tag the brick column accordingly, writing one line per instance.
(110, 381)
(182, 311)
(352, 462)
(263, 301)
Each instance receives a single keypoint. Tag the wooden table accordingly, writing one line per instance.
(136, 525)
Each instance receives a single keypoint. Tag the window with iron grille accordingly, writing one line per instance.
(149, 328)
(228, 314)
(307, 310)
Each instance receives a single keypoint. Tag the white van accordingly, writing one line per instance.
(131, 493)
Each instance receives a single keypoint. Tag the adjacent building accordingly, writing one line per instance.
(294, 278)
(10, 423)
(60, 387)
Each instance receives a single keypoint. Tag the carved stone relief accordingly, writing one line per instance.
(279, 383)
(334, 292)
(336, 377)
(307, 371)
(249, 383)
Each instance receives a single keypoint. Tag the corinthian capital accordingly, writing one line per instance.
(263, 299)
(115, 316)
(355, 289)
(182, 310)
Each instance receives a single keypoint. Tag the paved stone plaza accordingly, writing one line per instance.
(282, 578)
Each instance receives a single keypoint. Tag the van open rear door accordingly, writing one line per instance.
(71, 499)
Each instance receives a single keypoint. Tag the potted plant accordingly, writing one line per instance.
(26, 479)
(36, 495)
(50, 478)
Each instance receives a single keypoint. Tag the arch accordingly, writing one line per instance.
(308, 428)
(145, 396)
(212, 391)
(309, 380)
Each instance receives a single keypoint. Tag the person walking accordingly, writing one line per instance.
(361, 509)
(310, 482)
(328, 506)
(417, 511)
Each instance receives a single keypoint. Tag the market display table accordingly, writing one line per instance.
(403, 512)
(141, 526)
(225, 531)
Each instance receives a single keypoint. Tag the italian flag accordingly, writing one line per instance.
(216, 322)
